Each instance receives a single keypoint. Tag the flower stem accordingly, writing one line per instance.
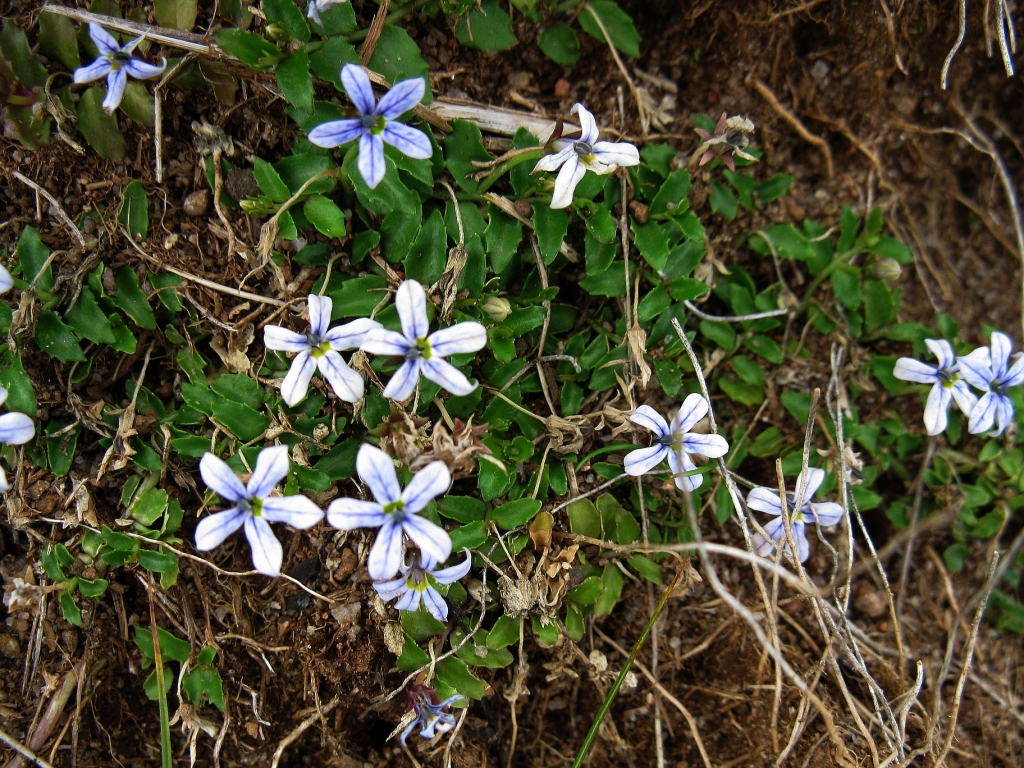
(505, 167)
(607, 703)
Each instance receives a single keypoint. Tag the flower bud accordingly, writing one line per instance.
(497, 308)
(887, 269)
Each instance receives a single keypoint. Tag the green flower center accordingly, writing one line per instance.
(319, 347)
(252, 506)
(373, 123)
(422, 349)
(395, 508)
(118, 59)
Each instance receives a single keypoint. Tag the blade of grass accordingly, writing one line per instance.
(607, 703)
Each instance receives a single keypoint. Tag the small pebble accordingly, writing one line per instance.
(197, 203)
(562, 88)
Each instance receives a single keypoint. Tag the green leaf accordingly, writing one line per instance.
(339, 19)
(893, 249)
(60, 451)
(286, 15)
(413, 657)
(420, 625)
(587, 592)
(560, 44)
(721, 333)
(687, 288)
(15, 48)
(503, 235)
(270, 182)
(672, 195)
(138, 104)
(158, 562)
(250, 48)
(723, 202)
(244, 422)
(335, 53)
(398, 232)
(99, 128)
(427, 257)
(766, 347)
(515, 513)
(57, 39)
(584, 518)
(21, 396)
(33, 254)
(773, 188)
(611, 282)
(880, 307)
(462, 147)
(149, 506)
(293, 78)
(69, 608)
(464, 509)
(133, 213)
(171, 648)
(487, 29)
(176, 14)
(240, 388)
(389, 195)
(358, 297)
(646, 568)
(455, 673)
(56, 339)
(130, 298)
(296, 170)
(324, 214)
(742, 392)
(397, 57)
(786, 240)
(551, 226)
(504, 633)
(575, 626)
(470, 536)
(618, 23)
(612, 580)
(652, 242)
(92, 587)
(205, 681)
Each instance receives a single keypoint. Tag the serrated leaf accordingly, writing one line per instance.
(426, 259)
(324, 214)
(551, 226)
(462, 147)
(56, 339)
(293, 79)
(138, 104)
(256, 51)
(244, 422)
(397, 57)
(270, 182)
(32, 255)
(130, 298)
(652, 242)
(286, 15)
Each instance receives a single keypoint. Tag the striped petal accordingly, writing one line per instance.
(411, 303)
(347, 514)
(271, 468)
(651, 420)
(267, 553)
(221, 479)
(283, 340)
(447, 375)
(357, 85)
(693, 409)
(296, 383)
(351, 335)
(643, 460)
(408, 140)
(565, 183)
(319, 314)
(386, 555)
(16, 428)
(458, 339)
(588, 124)
(297, 511)
(336, 132)
(346, 383)
(402, 97)
(371, 159)
(376, 469)
(212, 530)
(404, 381)
(433, 540)
(116, 82)
(429, 483)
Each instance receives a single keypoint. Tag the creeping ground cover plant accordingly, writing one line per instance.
(511, 401)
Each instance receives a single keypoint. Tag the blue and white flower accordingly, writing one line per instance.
(800, 511)
(316, 7)
(576, 156)
(675, 442)
(6, 281)
(947, 384)
(430, 714)
(319, 348)
(115, 63)
(254, 507)
(988, 369)
(424, 353)
(394, 511)
(15, 429)
(376, 124)
(413, 585)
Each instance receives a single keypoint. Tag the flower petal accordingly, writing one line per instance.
(429, 483)
(336, 132)
(943, 352)
(404, 381)
(116, 81)
(650, 419)
(357, 85)
(352, 334)
(1001, 346)
(909, 369)
(319, 314)
(455, 572)
(712, 446)
(964, 398)
(313, 12)
(266, 549)
(588, 124)
(105, 42)
(212, 530)
(408, 140)
(565, 183)
(447, 375)
(371, 159)
(764, 500)
(616, 153)
(410, 601)
(389, 590)
(803, 548)
(92, 72)
(1004, 414)
(347, 514)
(827, 512)
(16, 428)
(936, 409)
(276, 337)
(296, 383)
(142, 70)
(386, 555)
(435, 604)
(220, 478)
(808, 483)
(983, 415)
(3, 395)
(976, 368)
(1012, 378)
(376, 469)
(346, 383)
(433, 540)
(411, 303)
(271, 468)
(381, 341)
(693, 409)
(458, 339)
(681, 463)
(553, 162)
(4, 485)
(297, 511)
(6, 281)
(643, 460)
(402, 97)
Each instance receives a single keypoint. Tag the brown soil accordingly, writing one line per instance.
(285, 655)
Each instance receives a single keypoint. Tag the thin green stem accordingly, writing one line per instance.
(166, 755)
(607, 703)
(843, 258)
(507, 166)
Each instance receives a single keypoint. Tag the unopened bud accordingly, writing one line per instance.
(497, 308)
(887, 269)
